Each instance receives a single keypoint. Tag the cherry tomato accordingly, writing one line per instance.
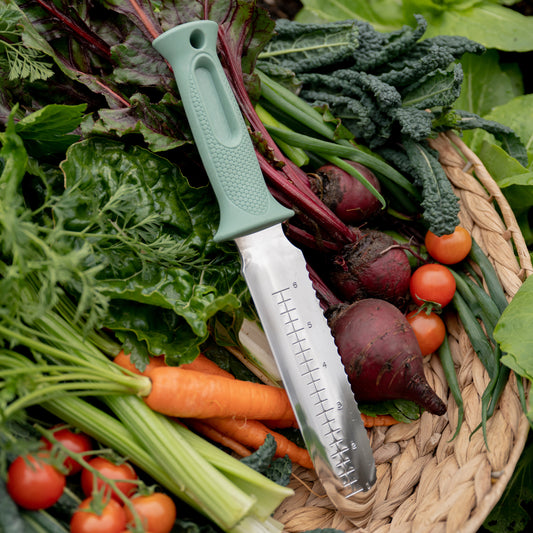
(432, 283)
(449, 249)
(33, 483)
(157, 512)
(73, 441)
(123, 472)
(110, 519)
(429, 330)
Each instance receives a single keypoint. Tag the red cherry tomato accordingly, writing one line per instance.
(432, 283)
(449, 249)
(110, 519)
(123, 472)
(429, 330)
(73, 441)
(157, 512)
(34, 484)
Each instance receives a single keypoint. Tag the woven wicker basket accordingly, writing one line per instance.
(427, 482)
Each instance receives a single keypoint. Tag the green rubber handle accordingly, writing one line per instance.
(219, 131)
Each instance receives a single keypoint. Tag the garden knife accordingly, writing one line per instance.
(275, 270)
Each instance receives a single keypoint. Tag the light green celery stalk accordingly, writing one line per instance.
(232, 495)
(224, 488)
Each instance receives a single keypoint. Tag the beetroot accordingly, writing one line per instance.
(381, 354)
(372, 267)
(344, 194)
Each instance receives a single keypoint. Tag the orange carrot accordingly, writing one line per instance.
(252, 434)
(204, 364)
(122, 359)
(378, 420)
(201, 363)
(214, 435)
(192, 394)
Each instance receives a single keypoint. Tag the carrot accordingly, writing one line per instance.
(201, 363)
(192, 394)
(204, 364)
(203, 428)
(122, 359)
(378, 420)
(252, 434)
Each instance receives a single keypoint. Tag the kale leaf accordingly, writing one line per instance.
(394, 92)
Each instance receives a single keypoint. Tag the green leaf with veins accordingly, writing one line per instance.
(150, 234)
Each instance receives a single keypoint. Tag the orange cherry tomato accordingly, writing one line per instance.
(429, 330)
(157, 512)
(449, 249)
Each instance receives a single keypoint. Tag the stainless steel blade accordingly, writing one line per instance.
(307, 358)
(275, 270)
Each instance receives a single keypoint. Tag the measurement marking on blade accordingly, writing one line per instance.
(295, 330)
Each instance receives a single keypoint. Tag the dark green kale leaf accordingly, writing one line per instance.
(440, 204)
(262, 460)
(303, 47)
(509, 140)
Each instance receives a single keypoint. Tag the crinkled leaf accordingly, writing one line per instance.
(160, 124)
(138, 62)
(506, 136)
(262, 460)
(439, 203)
(439, 88)
(301, 47)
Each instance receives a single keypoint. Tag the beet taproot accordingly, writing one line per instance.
(374, 266)
(344, 194)
(381, 355)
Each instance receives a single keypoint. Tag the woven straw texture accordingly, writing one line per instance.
(427, 481)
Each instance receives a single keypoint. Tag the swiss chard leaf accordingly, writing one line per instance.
(150, 239)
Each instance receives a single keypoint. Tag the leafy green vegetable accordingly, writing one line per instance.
(20, 58)
(396, 90)
(262, 460)
(487, 82)
(514, 335)
(489, 22)
(311, 45)
(511, 514)
(10, 519)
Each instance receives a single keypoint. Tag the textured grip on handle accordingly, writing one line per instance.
(219, 131)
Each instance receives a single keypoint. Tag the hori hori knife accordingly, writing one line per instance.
(275, 270)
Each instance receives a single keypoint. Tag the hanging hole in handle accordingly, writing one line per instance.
(197, 39)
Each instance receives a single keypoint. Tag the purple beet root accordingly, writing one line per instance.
(381, 354)
(373, 267)
(344, 194)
